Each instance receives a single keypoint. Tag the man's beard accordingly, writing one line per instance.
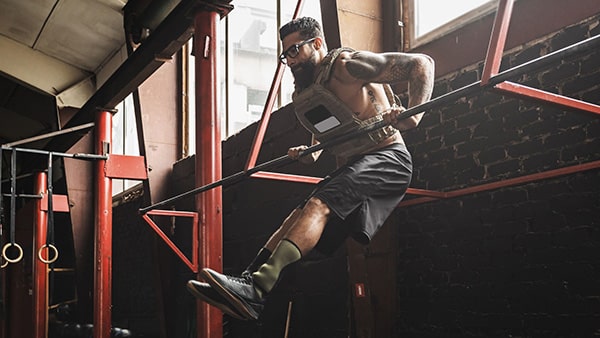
(304, 73)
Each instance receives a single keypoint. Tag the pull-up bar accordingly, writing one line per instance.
(467, 90)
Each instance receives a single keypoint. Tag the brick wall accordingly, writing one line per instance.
(521, 261)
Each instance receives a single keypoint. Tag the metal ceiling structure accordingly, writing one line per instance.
(51, 53)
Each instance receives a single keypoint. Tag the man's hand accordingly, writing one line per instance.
(294, 153)
(391, 117)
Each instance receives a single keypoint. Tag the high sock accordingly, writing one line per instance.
(259, 259)
(267, 275)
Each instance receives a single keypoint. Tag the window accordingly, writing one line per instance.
(248, 60)
(124, 140)
(430, 19)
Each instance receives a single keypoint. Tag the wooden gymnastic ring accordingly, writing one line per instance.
(19, 256)
(48, 261)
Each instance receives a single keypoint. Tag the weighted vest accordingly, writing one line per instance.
(326, 116)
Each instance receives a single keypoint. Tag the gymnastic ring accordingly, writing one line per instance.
(48, 261)
(19, 256)
(3, 264)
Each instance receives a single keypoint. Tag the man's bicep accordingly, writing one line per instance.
(365, 66)
(382, 67)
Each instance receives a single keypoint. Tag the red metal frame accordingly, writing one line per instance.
(523, 91)
(126, 166)
(506, 183)
(60, 203)
(286, 177)
(497, 41)
(103, 222)
(208, 162)
(193, 264)
(268, 109)
(40, 270)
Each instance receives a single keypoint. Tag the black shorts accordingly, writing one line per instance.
(362, 194)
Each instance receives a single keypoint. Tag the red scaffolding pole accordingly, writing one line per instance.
(103, 225)
(208, 161)
(40, 270)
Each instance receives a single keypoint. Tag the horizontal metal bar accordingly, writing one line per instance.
(78, 156)
(51, 134)
(24, 196)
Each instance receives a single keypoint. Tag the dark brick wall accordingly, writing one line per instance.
(521, 261)
(517, 261)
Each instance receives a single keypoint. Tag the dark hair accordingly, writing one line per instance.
(307, 26)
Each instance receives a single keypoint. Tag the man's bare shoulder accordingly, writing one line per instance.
(340, 70)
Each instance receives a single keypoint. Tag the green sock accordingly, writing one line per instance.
(260, 259)
(267, 275)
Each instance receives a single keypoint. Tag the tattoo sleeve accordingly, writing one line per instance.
(417, 69)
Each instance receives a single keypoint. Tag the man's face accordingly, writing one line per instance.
(304, 63)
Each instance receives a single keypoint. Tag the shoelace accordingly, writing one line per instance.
(240, 280)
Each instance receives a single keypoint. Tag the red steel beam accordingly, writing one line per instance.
(286, 177)
(40, 270)
(103, 224)
(537, 94)
(507, 182)
(497, 41)
(266, 114)
(315, 180)
(208, 162)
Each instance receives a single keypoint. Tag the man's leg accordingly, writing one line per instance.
(248, 294)
(267, 249)
(206, 293)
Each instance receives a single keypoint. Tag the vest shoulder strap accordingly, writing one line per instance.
(326, 68)
(326, 65)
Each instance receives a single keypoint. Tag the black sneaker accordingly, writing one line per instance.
(239, 292)
(206, 293)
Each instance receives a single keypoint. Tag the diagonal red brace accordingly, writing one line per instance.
(193, 264)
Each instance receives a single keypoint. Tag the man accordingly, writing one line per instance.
(336, 92)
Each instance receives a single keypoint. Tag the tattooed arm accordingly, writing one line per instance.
(417, 69)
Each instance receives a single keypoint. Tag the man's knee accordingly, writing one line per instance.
(317, 207)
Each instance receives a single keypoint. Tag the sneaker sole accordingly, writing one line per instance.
(233, 300)
(223, 307)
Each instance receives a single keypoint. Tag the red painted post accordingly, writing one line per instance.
(103, 224)
(268, 109)
(208, 162)
(497, 41)
(40, 269)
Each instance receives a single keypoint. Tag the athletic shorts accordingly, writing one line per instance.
(362, 194)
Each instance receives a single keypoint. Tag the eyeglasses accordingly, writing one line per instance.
(293, 51)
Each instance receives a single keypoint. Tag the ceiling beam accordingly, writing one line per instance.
(36, 69)
(165, 41)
